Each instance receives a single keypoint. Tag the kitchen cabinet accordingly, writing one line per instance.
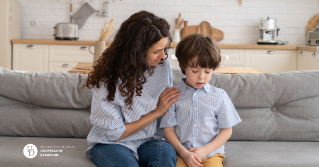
(63, 58)
(307, 61)
(49, 57)
(271, 61)
(28, 57)
(236, 57)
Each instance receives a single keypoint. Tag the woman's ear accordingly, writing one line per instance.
(145, 53)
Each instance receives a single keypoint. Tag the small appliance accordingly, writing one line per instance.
(268, 32)
(66, 31)
(312, 37)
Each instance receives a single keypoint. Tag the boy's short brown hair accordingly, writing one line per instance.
(200, 46)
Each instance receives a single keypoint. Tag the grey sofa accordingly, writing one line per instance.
(279, 112)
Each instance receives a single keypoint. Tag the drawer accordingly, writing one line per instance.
(30, 57)
(70, 53)
(61, 66)
(236, 57)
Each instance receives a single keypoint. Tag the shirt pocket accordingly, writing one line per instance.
(208, 112)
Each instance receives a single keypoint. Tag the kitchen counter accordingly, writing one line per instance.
(173, 45)
(86, 67)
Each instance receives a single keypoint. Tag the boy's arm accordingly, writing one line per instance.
(189, 158)
(223, 135)
(172, 138)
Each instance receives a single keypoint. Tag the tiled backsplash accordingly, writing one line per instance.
(239, 23)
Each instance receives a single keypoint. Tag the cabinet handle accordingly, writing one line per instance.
(271, 52)
(65, 65)
(84, 48)
(301, 52)
(30, 46)
(313, 54)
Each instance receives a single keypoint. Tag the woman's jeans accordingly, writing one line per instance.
(151, 154)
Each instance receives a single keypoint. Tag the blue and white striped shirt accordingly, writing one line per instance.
(199, 114)
(109, 118)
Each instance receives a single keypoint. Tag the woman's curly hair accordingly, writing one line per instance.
(124, 62)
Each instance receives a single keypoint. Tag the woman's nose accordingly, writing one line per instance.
(162, 54)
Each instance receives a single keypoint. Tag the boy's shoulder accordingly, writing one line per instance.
(215, 90)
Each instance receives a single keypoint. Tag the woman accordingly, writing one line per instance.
(131, 91)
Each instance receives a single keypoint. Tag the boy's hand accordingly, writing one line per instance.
(192, 159)
(200, 151)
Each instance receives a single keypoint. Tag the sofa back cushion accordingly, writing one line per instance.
(58, 90)
(26, 119)
(281, 107)
(44, 104)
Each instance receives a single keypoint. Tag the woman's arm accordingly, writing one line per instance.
(168, 97)
(223, 135)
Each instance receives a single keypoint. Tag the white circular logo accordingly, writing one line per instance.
(30, 151)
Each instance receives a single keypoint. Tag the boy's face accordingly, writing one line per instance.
(197, 77)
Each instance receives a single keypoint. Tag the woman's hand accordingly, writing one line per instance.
(168, 97)
(200, 151)
(191, 159)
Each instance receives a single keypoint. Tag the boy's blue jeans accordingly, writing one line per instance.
(151, 154)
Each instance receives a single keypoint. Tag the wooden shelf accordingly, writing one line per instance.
(173, 45)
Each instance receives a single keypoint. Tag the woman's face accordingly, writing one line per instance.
(156, 52)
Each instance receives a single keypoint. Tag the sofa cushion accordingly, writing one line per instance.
(72, 154)
(26, 119)
(238, 153)
(274, 154)
(281, 107)
(58, 90)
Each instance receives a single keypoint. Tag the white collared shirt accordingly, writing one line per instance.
(109, 118)
(199, 114)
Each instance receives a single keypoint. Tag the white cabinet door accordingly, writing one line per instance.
(236, 57)
(61, 66)
(307, 61)
(33, 58)
(271, 61)
(70, 53)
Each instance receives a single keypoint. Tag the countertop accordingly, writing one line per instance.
(173, 45)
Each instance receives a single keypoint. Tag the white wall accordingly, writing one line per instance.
(239, 24)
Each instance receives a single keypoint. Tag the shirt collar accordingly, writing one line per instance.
(183, 86)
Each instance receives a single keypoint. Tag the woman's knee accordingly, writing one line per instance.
(118, 157)
(167, 149)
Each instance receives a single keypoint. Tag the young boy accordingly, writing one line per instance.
(199, 123)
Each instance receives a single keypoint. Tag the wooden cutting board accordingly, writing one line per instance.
(217, 34)
(205, 29)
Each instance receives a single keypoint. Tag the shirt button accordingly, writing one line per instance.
(194, 93)
(150, 127)
(194, 126)
(195, 108)
(153, 104)
(193, 141)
